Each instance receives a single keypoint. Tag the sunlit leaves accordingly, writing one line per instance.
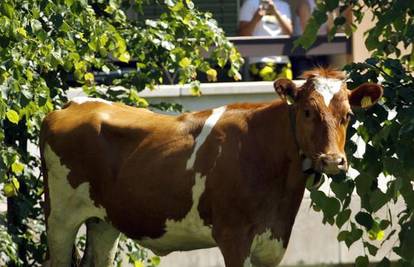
(17, 167)
(48, 46)
(7, 9)
(12, 116)
(155, 260)
(124, 57)
(184, 62)
(211, 75)
(11, 188)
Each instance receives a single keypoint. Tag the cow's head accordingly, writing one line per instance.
(322, 110)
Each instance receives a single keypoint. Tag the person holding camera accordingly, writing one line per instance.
(267, 18)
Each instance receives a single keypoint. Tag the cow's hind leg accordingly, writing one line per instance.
(61, 237)
(66, 208)
(101, 243)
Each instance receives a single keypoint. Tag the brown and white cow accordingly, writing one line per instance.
(231, 177)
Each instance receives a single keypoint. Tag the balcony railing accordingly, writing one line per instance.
(283, 45)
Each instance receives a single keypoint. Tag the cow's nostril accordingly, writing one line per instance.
(342, 161)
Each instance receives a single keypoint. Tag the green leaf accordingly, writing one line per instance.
(211, 75)
(371, 248)
(9, 190)
(343, 235)
(342, 189)
(309, 36)
(195, 88)
(362, 261)
(363, 183)
(343, 217)
(378, 200)
(124, 57)
(7, 9)
(89, 77)
(329, 205)
(331, 4)
(22, 32)
(69, 3)
(105, 69)
(155, 260)
(36, 25)
(169, 3)
(364, 219)
(15, 183)
(354, 235)
(17, 167)
(385, 262)
(184, 62)
(375, 232)
(384, 224)
(12, 116)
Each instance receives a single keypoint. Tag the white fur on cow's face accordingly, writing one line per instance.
(265, 250)
(201, 138)
(327, 87)
(69, 208)
(188, 233)
(83, 99)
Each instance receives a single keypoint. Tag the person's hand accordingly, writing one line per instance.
(272, 9)
(258, 15)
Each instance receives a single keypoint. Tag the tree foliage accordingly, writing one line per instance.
(387, 130)
(47, 45)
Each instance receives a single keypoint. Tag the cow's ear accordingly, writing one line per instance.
(365, 95)
(286, 89)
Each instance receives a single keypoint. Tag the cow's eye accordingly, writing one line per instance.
(307, 113)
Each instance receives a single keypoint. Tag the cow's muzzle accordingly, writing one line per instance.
(332, 163)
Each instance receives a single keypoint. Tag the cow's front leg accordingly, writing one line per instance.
(235, 246)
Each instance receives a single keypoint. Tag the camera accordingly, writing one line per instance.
(264, 4)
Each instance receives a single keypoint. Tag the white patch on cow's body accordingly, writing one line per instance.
(83, 99)
(207, 128)
(69, 208)
(327, 87)
(63, 196)
(265, 250)
(188, 233)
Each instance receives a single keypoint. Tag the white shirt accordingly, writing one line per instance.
(267, 26)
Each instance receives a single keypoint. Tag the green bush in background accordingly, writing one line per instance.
(45, 46)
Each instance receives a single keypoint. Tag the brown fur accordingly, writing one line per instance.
(135, 162)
